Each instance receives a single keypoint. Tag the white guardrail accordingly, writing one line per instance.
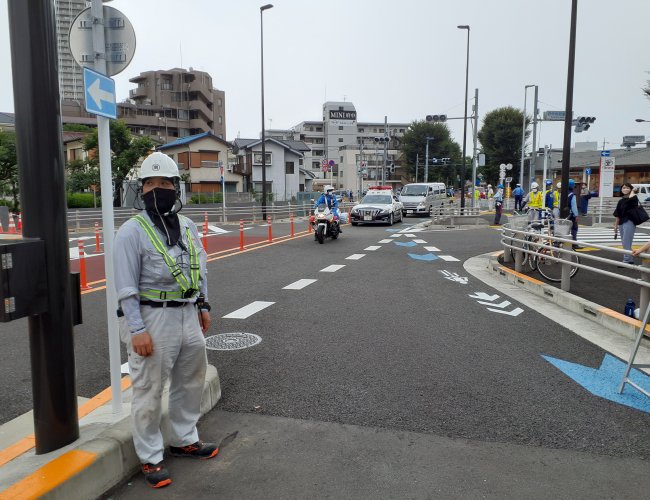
(520, 242)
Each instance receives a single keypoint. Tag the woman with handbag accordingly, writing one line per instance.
(625, 218)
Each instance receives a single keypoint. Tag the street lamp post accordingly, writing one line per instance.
(523, 138)
(262, 9)
(462, 171)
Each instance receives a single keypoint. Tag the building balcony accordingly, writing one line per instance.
(242, 169)
(138, 92)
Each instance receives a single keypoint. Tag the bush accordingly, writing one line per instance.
(203, 198)
(82, 200)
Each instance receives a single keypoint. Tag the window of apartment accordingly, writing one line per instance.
(317, 152)
(219, 120)
(401, 131)
(340, 139)
(183, 114)
(166, 85)
(300, 161)
(288, 167)
(361, 131)
(340, 159)
(341, 173)
(315, 165)
(319, 129)
(219, 102)
(340, 127)
(318, 140)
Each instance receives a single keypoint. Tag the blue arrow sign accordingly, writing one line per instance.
(99, 94)
(405, 243)
(588, 171)
(605, 152)
(426, 256)
(604, 381)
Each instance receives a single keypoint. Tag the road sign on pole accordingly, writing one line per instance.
(99, 94)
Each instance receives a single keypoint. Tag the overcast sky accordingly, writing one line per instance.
(402, 59)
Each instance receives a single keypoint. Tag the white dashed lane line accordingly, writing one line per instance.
(372, 248)
(395, 235)
(419, 241)
(385, 241)
(432, 249)
(356, 256)
(299, 285)
(248, 310)
(333, 268)
(448, 258)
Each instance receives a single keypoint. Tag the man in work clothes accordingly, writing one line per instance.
(518, 193)
(161, 282)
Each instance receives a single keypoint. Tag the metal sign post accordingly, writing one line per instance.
(104, 39)
(606, 186)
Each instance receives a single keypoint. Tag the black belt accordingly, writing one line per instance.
(167, 303)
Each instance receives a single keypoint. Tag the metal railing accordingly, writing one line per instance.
(513, 238)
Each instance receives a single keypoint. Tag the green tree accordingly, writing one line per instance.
(9, 168)
(81, 175)
(126, 150)
(413, 144)
(77, 127)
(500, 138)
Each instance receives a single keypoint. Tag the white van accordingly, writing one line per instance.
(421, 198)
(642, 190)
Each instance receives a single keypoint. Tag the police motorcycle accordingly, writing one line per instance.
(324, 223)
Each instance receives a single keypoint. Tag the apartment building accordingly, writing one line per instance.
(358, 157)
(70, 73)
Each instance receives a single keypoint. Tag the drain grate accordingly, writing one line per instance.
(232, 341)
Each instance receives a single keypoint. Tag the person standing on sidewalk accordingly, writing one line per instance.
(518, 193)
(161, 284)
(534, 201)
(623, 223)
(498, 205)
(584, 198)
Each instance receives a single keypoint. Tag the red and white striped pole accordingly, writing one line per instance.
(268, 223)
(97, 243)
(293, 232)
(20, 222)
(82, 266)
(241, 234)
(205, 231)
(12, 225)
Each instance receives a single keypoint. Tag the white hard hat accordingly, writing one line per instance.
(159, 165)
(329, 188)
(534, 185)
(559, 185)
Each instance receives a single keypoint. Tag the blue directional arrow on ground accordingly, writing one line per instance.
(605, 381)
(405, 243)
(393, 230)
(426, 256)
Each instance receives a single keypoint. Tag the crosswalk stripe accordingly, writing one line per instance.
(372, 248)
(448, 258)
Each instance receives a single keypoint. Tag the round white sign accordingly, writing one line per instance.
(119, 40)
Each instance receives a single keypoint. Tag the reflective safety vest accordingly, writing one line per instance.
(556, 199)
(535, 199)
(187, 289)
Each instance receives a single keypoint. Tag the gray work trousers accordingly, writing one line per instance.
(178, 354)
(627, 230)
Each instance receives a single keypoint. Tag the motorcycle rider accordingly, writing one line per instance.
(328, 198)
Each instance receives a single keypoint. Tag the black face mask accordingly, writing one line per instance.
(158, 203)
(159, 200)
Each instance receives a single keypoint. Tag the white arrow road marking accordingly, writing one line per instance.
(463, 280)
(412, 230)
(299, 285)
(333, 268)
(218, 230)
(432, 249)
(356, 256)
(515, 312)
(98, 95)
(372, 248)
(484, 296)
(419, 241)
(249, 310)
(448, 258)
(385, 241)
(502, 305)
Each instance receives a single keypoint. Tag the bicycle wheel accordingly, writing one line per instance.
(529, 263)
(550, 268)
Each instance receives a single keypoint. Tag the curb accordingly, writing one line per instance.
(95, 463)
(604, 316)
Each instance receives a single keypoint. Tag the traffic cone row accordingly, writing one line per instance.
(12, 225)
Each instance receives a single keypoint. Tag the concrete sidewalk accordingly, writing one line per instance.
(101, 458)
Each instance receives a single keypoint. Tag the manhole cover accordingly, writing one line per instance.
(232, 341)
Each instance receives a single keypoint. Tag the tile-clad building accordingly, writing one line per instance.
(70, 73)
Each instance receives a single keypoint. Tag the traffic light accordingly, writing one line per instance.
(582, 123)
(392, 168)
(436, 118)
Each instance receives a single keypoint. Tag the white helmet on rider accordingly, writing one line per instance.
(534, 185)
(329, 189)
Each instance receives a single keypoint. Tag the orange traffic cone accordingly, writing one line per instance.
(12, 226)
(20, 222)
(1, 228)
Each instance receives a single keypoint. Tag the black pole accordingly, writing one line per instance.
(568, 117)
(39, 149)
(462, 170)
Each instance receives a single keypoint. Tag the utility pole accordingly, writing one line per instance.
(417, 162)
(383, 171)
(533, 156)
(474, 155)
(426, 161)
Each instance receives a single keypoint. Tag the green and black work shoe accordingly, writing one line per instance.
(156, 475)
(201, 450)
